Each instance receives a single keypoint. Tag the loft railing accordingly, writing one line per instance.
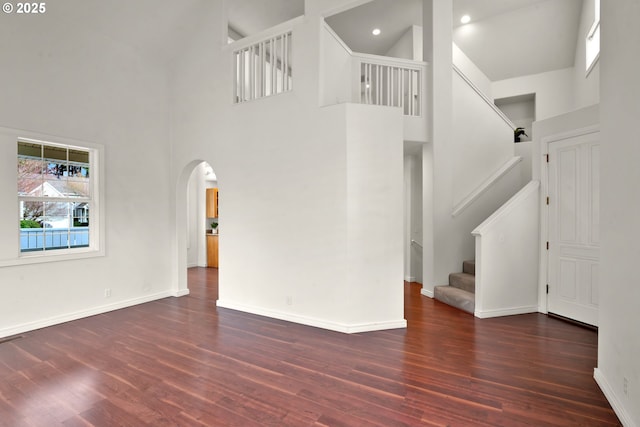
(263, 68)
(391, 82)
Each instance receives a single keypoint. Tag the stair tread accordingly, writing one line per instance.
(456, 297)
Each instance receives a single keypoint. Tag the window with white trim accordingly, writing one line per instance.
(592, 42)
(56, 196)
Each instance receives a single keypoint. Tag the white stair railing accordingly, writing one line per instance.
(263, 68)
(391, 82)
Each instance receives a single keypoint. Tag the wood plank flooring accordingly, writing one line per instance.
(184, 362)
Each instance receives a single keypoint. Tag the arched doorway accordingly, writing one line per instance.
(193, 223)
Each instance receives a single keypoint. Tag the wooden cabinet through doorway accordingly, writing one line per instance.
(212, 250)
(212, 203)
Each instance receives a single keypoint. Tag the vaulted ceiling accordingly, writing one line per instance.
(247, 17)
(506, 38)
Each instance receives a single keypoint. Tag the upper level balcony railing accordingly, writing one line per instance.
(263, 68)
(391, 82)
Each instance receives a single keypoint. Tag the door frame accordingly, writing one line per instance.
(545, 143)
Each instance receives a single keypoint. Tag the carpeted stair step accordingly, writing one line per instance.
(464, 281)
(461, 290)
(469, 267)
(456, 297)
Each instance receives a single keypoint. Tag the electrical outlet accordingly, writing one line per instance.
(107, 292)
(289, 300)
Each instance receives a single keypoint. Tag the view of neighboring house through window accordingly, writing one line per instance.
(55, 196)
(593, 38)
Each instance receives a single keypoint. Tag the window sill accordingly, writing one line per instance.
(39, 258)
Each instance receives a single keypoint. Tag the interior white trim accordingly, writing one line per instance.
(482, 95)
(484, 186)
(310, 321)
(180, 293)
(328, 28)
(388, 60)
(615, 403)
(426, 292)
(486, 314)
(262, 35)
(55, 320)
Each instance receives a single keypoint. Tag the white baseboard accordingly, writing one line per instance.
(180, 293)
(426, 292)
(309, 321)
(409, 279)
(615, 403)
(485, 314)
(55, 320)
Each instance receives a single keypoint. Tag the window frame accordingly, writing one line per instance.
(593, 36)
(96, 247)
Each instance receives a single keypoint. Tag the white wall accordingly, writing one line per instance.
(437, 159)
(482, 141)
(336, 63)
(525, 150)
(316, 249)
(618, 338)
(61, 78)
(587, 87)
(554, 91)
(560, 91)
(469, 68)
(507, 257)
(409, 45)
(375, 291)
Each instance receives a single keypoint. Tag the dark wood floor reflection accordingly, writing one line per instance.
(184, 362)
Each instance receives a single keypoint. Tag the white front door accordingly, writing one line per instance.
(574, 223)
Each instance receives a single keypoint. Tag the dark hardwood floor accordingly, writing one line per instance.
(184, 362)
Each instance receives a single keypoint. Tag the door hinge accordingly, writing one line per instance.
(547, 200)
(547, 245)
(547, 288)
(547, 157)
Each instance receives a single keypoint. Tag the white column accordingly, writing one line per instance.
(437, 177)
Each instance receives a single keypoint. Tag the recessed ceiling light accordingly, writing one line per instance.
(465, 19)
(376, 31)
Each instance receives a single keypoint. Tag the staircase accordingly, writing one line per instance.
(460, 292)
